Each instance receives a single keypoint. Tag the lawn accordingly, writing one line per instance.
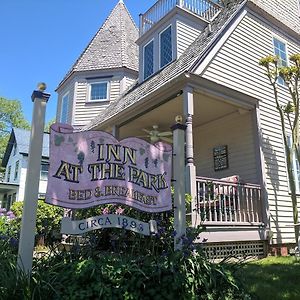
(276, 278)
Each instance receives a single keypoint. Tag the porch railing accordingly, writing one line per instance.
(206, 9)
(223, 202)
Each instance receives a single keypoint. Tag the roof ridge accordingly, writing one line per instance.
(93, 38)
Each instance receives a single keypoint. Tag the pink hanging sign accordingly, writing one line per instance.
(92, 168)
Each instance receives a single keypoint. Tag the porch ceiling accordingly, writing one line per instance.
(8, 187)
(206, 109)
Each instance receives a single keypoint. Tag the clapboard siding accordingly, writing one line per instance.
(85, 111)
(186, 34)
(236, 66)
(286, 11)
(237, 132)
(130, 81)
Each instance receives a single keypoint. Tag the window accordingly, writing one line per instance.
(280, 51)
(64, 108)
(148, 59)
(166, 52)
(44, 171)
(15, 149)
(14, 198)
(16, 170)
(295, 166)
(8, 173)
(99, 91)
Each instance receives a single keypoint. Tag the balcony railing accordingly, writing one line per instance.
(206, 9)
(224, 202)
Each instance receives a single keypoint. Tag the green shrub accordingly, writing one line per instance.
(47, 222)
(72, 275)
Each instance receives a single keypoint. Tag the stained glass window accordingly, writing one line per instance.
(148, 60)
(166, 53)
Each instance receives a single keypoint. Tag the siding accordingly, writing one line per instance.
(85, 111)
(287, 11)
(237, 132)
(186, 34)
(130, 81)
(236, 66)
(69, 88)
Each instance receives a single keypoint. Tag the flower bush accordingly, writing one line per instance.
(8, 228)
(186, 274)
(48, 221)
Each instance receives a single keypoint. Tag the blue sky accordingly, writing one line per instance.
(41, 39)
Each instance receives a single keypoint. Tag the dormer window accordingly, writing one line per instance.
(149, 59)
(166, 51)
(98, 91)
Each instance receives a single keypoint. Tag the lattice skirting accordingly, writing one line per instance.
(257, 249)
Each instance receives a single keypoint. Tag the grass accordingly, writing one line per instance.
(274, 278)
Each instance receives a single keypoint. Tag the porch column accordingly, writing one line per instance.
(188, 102)
(116, 132)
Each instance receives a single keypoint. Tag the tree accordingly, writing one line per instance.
(11, 115)
(49, 123)
(289, 117)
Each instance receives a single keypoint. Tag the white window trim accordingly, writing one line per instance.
(42, 172)
(286, 50)
(160, 67)
(89, 90)
(8, 175)
(152, 40)
(17, 167)
(15, 149)
(61, 107)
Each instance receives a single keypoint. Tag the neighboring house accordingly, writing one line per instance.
(15, 161)
(199, 59)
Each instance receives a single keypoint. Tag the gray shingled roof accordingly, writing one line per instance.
(113, 46)
(176, 68)
(22, 138)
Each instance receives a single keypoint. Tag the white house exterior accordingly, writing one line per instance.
(16, 161)
(199, 59)
(106, 68)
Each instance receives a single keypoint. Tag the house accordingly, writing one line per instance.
(15, 161)
(106, 68)
(199, 59)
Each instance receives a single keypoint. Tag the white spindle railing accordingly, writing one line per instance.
(204, 8)
(223, 202)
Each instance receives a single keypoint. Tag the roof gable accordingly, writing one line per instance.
(113, 46)
(21, 137)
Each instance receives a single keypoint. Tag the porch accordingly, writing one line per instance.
(222, 139)
(228, 202)
(8, 194)
(231, 211)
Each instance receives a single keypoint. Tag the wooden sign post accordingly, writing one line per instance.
(27, 235)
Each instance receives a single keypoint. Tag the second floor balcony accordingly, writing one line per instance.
(206, 9)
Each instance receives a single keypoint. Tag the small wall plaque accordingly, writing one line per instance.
(220, 158)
